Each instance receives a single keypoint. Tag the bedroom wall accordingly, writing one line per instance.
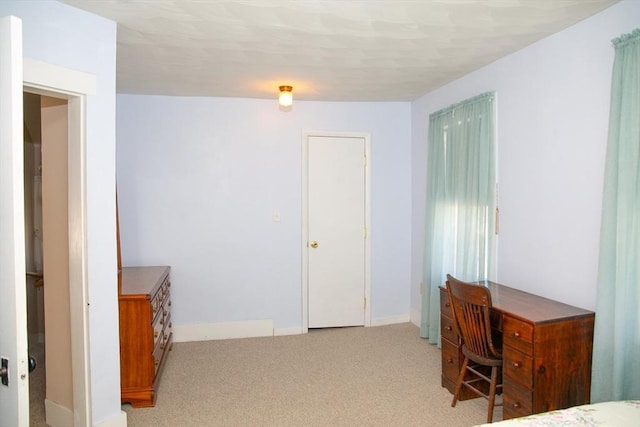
(67, 37)
(553, 106)
(200, 178)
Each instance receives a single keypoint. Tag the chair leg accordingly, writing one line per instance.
(463, 372)
(492, 392)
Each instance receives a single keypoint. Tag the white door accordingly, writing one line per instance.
(14, 397)
(336, 231)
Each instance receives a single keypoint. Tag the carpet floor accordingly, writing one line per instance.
(377, 376)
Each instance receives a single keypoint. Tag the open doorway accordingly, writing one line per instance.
(47, 258)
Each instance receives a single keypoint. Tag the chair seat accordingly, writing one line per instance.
(486, 361)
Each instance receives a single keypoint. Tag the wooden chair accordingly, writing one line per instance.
(471, 306)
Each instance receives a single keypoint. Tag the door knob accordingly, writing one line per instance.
(314, 244)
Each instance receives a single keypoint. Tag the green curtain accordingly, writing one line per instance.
(460, 210)
(616, 346)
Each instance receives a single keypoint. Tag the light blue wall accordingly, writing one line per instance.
(553, 104)
(199, 179)
(70, 38)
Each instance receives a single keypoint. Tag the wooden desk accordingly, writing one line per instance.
(547, 348)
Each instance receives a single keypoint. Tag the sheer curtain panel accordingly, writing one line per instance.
(616, 349)
(460, 209)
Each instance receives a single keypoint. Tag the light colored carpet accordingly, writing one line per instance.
(378, 376)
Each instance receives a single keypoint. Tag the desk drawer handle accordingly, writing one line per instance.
(517, 364)
(516, 334)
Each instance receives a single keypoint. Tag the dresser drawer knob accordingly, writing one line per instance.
(516, 405)
(450, 361)
(516, 334)
(517, 364)
(448, 328)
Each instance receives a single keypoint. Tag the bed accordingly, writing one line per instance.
(617, 413)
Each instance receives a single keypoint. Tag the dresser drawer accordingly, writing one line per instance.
(164, 289)
(158, 298)
(157, 330)
(164, 314)
(157, 355)
(160, 353)
(167, 325)
(156, 304)
(518, 334)
(518, 400)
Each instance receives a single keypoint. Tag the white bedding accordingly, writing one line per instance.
(618, 413)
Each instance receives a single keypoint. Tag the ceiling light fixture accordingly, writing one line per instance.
(285, 98)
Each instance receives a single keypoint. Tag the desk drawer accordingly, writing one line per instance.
(517, 366)
(518, 400)
(446, 329)
(518, 334)
(445, 309)
(450, 360)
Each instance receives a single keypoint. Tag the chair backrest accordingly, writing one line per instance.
(471, 305)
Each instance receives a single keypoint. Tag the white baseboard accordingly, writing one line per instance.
(119, 420)
(221, 331)
(253, 328)
(416, 317)
(390, 320)
(287, 331)
(57, 415)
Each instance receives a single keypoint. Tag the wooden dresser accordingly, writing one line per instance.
(145, 332)
(546, 347)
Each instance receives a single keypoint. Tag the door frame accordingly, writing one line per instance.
(74, 86)
(305, 221)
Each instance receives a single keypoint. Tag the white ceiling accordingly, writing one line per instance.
(332, 50)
